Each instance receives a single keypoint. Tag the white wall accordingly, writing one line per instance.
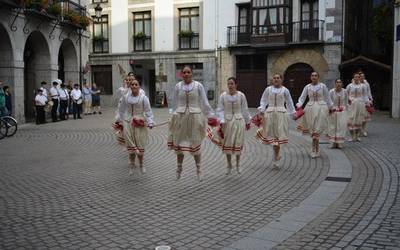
(119, 27)
(164, 25)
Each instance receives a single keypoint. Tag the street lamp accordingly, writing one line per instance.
(97, 11)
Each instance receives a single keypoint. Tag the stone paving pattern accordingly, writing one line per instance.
(66, 185)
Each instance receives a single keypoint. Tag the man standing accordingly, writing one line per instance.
(55, 96)
(64, 98)
(3, 109)
(76, 96)
(7, 92)
(44, 89)
(40, 102)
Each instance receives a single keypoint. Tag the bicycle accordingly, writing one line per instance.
(8, 126)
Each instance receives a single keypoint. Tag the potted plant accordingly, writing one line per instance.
(139, 36)
(35, 4)
(54, 9)
(186, 33)
(98, 38)
(84, 21)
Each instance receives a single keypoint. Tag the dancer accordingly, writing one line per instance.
(315, 119)
(187, 127)
(357, 111)
(369, 107)
(234, 118)
(338, 118)
(135, 113)
(275, 124)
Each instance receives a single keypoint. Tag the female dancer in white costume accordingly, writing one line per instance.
(135, 113)
(368, 116)
(357, 111)
(275, 124)
(187, 127)
(315, 119)
(338, 118)
(234, 117)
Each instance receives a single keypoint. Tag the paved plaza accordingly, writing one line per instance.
(65, 185)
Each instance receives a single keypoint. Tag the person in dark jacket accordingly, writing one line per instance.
(7, 93)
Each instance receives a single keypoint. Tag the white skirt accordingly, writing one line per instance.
(233, 136)
(315, 120)
(337, 127)
(275, 128)
(186, 132)
(357, 114)
(136, 138)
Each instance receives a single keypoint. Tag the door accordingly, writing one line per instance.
(251, 74)
(297, 76)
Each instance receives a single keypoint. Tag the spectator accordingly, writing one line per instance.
(76, 96)
(3, 109)
(7, 92)
(44, 89)
(95, 99)
(55, 97)
(64, 98)
(87, 99)
(40, 103)
(69, 89)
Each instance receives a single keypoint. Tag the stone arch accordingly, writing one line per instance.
(307, 56)
(68, 67)
(37, 68)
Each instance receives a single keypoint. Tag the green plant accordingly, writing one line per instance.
(54, 9)
(98, 38)
(382, 25)
(35, 4)
(84, 21)
(186, 33)
(139, 36)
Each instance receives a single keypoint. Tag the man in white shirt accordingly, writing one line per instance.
(40, 102)
(64, 98)
(43, 87)
(55, 97)
(76, 96)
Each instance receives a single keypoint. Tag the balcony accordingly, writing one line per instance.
(281, 35)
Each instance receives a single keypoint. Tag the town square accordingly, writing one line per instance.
(199, 124)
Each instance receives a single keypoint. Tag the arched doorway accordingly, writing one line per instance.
(68, 68)
(6, 60)
(37, 69)
(296, 77)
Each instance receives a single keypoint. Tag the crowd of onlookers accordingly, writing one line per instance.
(62, 100)
(5, 100)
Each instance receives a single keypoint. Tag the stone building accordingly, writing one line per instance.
(39, 44)
(250, 39)
(396, 62)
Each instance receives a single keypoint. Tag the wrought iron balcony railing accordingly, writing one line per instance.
(277, 35)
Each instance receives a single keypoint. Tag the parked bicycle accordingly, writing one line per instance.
(8, 126)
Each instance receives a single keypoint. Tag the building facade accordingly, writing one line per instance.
(40, 41)
(396, 62)
(249, 39)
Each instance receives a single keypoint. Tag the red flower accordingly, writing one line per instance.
(137, 122)
(257, 120)
(299, 113)
(213, 122)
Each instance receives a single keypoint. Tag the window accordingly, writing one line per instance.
(142, 31)
(99, 1)
(100, 34)
(102, 76)
(309, 13)
(270, 16)
(244, 16)
(189, 28)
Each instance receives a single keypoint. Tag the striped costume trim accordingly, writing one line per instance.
(211, 137)
(354, 126)
(178, 148)
(336, 139)
(270, 141)
(135, 149)
(302, 129)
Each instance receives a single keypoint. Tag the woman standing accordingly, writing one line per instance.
(315, 119)
(187, 127)
(87, 99)
(367, 89)
(95, 99)
(134, 112)
(234, 118)
(357, 111)
(338, 118)
(275, 124)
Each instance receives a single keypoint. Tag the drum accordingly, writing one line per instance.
(48, 106)
(79, 102)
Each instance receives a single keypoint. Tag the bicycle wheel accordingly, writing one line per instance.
(3, 129)
(12, 125)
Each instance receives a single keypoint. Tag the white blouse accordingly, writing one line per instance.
(127, 100)
(232, 98)
(288, 98)
(315, 88)
(204, 105)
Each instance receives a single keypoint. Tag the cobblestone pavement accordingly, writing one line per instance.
(66, 185)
